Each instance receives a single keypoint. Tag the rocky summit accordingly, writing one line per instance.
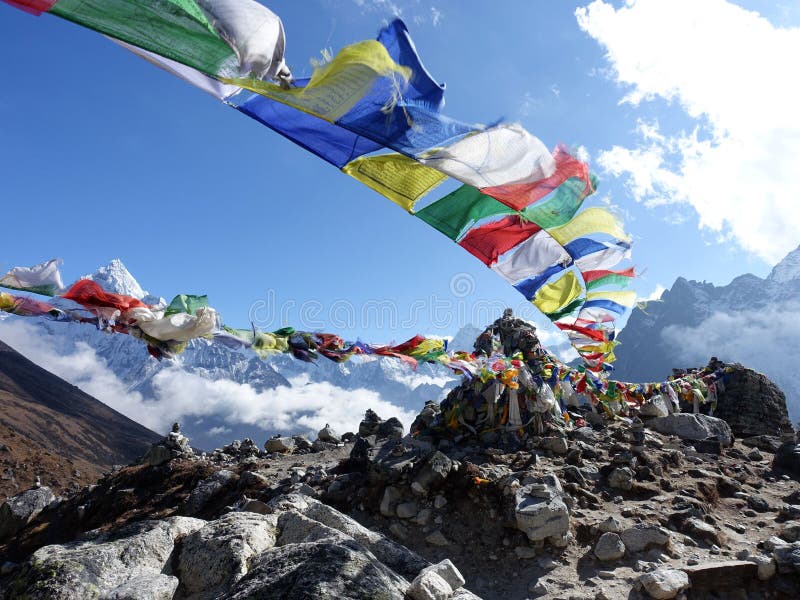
(511, 487)
(596, 511)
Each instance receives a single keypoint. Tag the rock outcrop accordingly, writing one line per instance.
(752, 405)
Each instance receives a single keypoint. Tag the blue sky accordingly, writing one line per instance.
(104, 156)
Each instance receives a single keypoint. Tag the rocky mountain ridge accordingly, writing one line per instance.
(746, 321)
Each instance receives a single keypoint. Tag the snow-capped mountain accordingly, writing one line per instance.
(128, 360)
(751, 320)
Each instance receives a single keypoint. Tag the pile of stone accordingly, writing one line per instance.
(174, 446)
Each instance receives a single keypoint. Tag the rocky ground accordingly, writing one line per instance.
(580, 513)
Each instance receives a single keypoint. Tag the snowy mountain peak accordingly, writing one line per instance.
(116, 278)
(788, 269)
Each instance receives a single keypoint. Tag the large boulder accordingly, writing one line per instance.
(109, 565)
(207, 489)
(324, 569)
(540, 509)
(21, 509)
(217, 555)
(693, 427)
(752, 405)
(787, 458)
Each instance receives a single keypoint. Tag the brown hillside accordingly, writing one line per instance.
(50, 428)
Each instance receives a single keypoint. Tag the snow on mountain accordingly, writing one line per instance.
(114, 277)
(788, 269)
(751, 320)
(148, 380)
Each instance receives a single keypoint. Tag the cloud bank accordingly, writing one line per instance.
(304, 407)
(726, 68)
(760, 340)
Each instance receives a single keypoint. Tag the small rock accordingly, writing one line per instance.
(429, 585)
(609, 547)
(641, 537)
(766, 566)
(437, 539)
(327, 434)
(790, 531)
(612, 524)
(621, 478)
(439, 502)
(280, 444)
(407, 510)
(663, 584)
(391, 497)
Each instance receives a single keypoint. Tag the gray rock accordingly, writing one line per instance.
(428, 585)
(654, 407)
(540, 509)
(700, 530)
(391, 498)
(216, 556)
(790, 531)
(318, 570)
(787, 557)
(434, 471)
(207, 489)
(21, 509)
(787, 457)
(621, 478)
(145, 587)
(437, 539)
(641, 537)
(585, 434)
(327, 434)
(609, 547)
(663, 584)
(717, 575)
(766, 566)
(693, 427)
(396, 557)
(106, 564)
(556, 445)
(447, 571)
(612, 524)
(407, 510)
(280, 444)
(391, 428)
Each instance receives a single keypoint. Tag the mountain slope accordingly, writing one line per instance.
(751, 320)
(40, 413)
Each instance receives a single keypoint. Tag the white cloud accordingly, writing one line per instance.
(407, 9)
(179, 395)
(759, 339)
(726, 67)
(654, 295)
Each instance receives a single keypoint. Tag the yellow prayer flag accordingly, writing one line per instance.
(401, 179)
(555, 296)
(591, 220)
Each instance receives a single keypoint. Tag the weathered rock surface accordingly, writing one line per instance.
(663, 584)
(643, 536)
(752, 405)
(609, 547)
(19, 510)
(693, 427)
(105, 565)
(218, 554)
